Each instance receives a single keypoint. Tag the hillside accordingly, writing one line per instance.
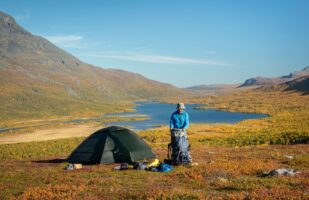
(234, 160)
(262, 81)
(218, 89)
(213, 87)
(300, 85)
(39, 79)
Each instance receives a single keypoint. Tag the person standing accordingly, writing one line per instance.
(179, 118)
(179, 145)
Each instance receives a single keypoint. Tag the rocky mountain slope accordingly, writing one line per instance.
(37, 79)
(297, 85)
(259, 81)
(214, 89)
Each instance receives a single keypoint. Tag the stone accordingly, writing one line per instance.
(289, 157)
(282, 172)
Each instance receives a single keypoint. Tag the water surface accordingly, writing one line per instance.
(160, 113)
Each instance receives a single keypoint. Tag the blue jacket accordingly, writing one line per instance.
(179, 120)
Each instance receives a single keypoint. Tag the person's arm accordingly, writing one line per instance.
(171, 122)
(186, 124)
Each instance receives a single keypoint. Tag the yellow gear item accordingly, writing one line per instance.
(154, 163)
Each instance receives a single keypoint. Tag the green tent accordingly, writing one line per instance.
(111, 145)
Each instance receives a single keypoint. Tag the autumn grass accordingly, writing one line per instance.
(232, 159)
(30, 150)
(30, 118)
(288, 122)
(28, 127)
(223, 172)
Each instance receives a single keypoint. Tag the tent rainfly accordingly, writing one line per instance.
(111, 145)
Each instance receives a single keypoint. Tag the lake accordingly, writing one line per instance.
(160, 113)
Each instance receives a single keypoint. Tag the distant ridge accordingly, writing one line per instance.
(38, 79)
(213, 87)
(297, 81)
(262, 81)
(299, 84)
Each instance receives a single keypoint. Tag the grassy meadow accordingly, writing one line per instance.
(232, 159)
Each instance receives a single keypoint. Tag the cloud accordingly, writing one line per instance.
(211, 52)
(24, 16)
(59, 39)
(69, 41)
(158, 59)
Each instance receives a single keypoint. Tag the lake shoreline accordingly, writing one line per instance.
(159, 114)
(137, 116)
(50, 134)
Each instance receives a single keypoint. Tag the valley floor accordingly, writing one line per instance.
(222, 173)
(50, 134)
(233, 159)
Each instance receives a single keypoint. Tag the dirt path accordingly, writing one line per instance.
(50, 134)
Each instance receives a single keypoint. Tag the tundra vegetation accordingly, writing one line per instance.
(233, 159)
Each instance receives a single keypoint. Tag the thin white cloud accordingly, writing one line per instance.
(60, 39)
(211, 52)
(157, 59)
(66, 41)
(24, 16)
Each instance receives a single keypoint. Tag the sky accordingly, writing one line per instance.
(181, 42)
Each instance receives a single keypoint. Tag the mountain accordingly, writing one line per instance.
(299, 84)
(298, 74)
(38, 79)
(213, 89)
(297, 81)
(260, 81)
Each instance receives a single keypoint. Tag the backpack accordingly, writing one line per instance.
(178, 149)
